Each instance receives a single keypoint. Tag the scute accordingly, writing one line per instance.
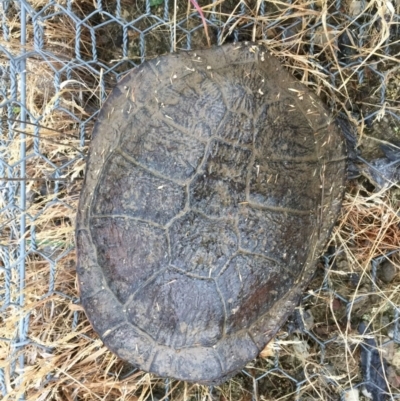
(243, 88)
(129, 252)
(190, 100)
(213, 182)
(248, 287)
(105, 310)
(221, 185)
(126, 340)
(237, 349)
(274, 234)
(178, 311)
(237, 128)
(152, 141)
(285, 184)
(201, 246)
(145, 196)
(289, 133)
(198, 363)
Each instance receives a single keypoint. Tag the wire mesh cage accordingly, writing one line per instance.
(59, 60)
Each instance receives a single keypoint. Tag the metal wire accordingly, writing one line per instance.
(132, 34)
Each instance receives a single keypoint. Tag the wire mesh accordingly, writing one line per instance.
(108, 39)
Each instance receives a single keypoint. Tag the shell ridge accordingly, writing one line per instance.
(144, 284)
(232, 143)
(152, 171)
(189, 273)
(242, 251)
(104, 282)
(222, 299)
(170, 122)
(182, 213)
(226, 265)
(249, 172)
(127, 216)
(206, 216)
(200, 166)
(298, 212)
(139, 342)
(96, 186)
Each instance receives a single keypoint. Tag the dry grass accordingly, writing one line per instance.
(65, 360)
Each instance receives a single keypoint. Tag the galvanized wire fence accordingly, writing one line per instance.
(59, 59)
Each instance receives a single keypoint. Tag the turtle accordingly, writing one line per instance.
(213, 182)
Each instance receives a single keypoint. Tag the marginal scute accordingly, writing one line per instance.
(126, 341)
(178, 311)
(105, 311)
(332, 189)
(90, 273)
(129, 252)
(268, 324)
(327, 143)
(236, 351)
(213, 182)
(198, 364)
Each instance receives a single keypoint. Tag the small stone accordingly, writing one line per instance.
(303, 320)
(367, 393)
(387, 271)
(336, 304)
(393, 377)
(394, 333)
(389, 349)
(308, 319)
(352, 394)
(355, 8)
(395, 357)
(342, 264)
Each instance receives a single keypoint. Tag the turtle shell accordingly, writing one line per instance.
(213, 181)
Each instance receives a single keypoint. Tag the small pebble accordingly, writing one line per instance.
(351, 395)
(367, 393)
(308, 319)
(387, 271)
(342, 264)
(393, 377)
